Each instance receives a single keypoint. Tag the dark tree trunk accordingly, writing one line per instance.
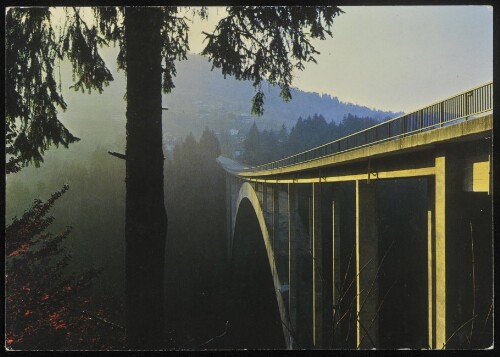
(146, 219)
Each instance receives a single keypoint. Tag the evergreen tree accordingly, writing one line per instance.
(352, 123)
(282, 141)
(262, 147)
(250, 145)
(209, 151)
(196, 239)
(270, 145)
(209, 144)
(250, 43)
(46, 308)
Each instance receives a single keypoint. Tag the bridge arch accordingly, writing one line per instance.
(249, 209)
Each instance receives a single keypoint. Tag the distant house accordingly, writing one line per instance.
(246, 118)
(169, 147)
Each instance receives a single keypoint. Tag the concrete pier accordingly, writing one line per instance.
(337, 260)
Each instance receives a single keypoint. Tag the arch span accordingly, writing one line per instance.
(248, 202)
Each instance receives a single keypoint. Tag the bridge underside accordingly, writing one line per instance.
(389, 250)
(253, 302)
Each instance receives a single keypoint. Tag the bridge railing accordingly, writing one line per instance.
(460, 107)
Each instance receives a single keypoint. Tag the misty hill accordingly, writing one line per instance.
(203, 97)
(94, 206)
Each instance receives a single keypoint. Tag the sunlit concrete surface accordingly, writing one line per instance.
(307, 227)
(464, 131)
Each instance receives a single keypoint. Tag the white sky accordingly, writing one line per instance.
(395, 57)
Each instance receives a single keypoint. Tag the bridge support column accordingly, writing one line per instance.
(431, 261)
(317, 265)
(276, 213)
(265, 194)
(453, 258)
(292, 261)
(366, 265)
(232, 189)
(336, 281)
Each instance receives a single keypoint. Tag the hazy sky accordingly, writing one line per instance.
(396, 57)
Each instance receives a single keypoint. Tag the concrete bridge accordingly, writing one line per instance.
(381, 239)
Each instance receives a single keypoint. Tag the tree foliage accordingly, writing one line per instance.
(265, 146)
(196, 241)
(33, 95)
(150, 41)
(46, 307)
(257, 43)
(252, 42)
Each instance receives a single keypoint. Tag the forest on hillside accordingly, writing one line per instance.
(261, 146)
(92, 203)
(89, 307)
(223, 103)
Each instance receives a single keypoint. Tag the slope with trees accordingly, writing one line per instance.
(47, 307)
(196, 250)
(253, 43)
(264, 146)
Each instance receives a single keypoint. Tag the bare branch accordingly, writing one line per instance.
(373, 280)
(215, 337)
(118, 155)
(456, 331)
(107, 322)
(489, 313)
(473, 284)
(378, 309)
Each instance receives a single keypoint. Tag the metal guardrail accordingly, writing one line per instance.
(453, 109)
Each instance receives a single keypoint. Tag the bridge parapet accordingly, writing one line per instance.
(471, 103)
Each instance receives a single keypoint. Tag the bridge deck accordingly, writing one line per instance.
(465, 116)
(462, 131)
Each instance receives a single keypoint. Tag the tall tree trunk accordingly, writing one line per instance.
(146, 219)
